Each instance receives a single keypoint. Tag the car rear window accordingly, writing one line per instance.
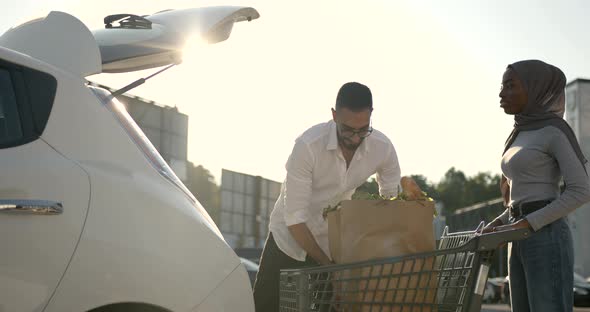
(26, 100)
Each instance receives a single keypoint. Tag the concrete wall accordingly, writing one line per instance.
(578, 117)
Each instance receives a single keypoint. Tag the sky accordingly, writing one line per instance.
(434, 68)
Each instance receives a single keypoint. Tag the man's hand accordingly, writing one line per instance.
(305, 239)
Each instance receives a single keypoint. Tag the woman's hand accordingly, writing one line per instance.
(491, 227)
(520, 224)
(497, 226)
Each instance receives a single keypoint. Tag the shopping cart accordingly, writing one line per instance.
(451, 278)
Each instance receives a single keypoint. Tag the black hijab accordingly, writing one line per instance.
(545, 87)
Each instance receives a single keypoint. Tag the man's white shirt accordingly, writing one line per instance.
(317, 177)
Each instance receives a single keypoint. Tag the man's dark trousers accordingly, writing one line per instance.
(266, 287)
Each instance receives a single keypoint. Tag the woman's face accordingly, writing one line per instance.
(513, 96)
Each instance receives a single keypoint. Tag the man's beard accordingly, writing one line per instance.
(349, 145)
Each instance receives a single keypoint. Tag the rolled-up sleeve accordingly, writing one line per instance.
(577, 187)
(389, 173)
(298, 184)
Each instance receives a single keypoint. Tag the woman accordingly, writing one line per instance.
(541, 150)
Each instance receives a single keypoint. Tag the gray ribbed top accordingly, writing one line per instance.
(534, 165)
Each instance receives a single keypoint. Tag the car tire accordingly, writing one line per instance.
(129, 307)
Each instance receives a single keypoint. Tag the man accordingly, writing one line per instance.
(328, 162)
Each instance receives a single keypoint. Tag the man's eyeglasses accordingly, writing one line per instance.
(349, 133)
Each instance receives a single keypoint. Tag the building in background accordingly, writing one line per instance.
(578, 117)
(164, 126)
(246, 204)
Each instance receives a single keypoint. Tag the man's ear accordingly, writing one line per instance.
(333, 114)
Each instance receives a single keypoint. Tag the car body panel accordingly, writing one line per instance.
(228, 295)
(251, 268)
(141, 228)
(150, 253)
(36, 249)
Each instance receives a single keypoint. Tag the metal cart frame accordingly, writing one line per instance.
(451, 278)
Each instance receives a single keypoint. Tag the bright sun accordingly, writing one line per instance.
(193, 49)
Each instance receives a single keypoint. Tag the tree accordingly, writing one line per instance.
(457, 191)
(482, 187)
(202, 184)
(426, 186)
(371, 186)
(452, 190)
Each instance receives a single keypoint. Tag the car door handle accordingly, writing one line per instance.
(30, 206)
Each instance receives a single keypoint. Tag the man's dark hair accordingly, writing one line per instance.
(354, 96)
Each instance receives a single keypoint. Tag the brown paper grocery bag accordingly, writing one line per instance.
(370, 229)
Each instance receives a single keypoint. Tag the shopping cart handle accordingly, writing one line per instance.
(494, 240)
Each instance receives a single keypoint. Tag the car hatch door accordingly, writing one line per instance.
(130, 42)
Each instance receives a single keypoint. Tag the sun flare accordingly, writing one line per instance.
(193, 49)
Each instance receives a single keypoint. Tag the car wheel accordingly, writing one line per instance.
(129, 307)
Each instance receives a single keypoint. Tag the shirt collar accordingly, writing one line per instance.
(362, 150)
(332, 136)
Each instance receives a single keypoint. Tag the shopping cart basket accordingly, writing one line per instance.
(451, 278)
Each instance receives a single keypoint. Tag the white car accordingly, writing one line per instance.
(91, 217)
(252, 269)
